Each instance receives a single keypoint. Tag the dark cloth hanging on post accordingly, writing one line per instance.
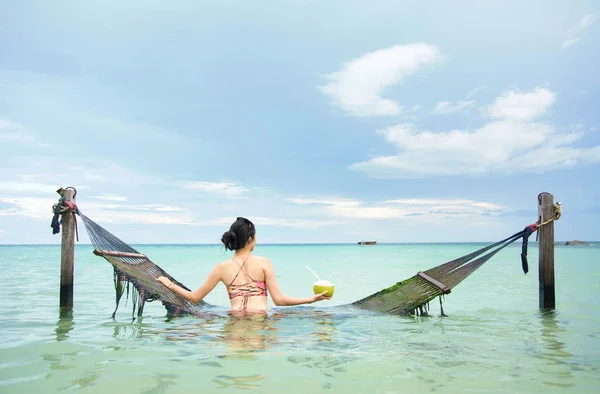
(57, 210)
(526, 234)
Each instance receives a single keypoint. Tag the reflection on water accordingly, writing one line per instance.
(163, 382)
(325, 327)
(65, 323)
(327, 347)
(238, 382)
(135, 329)
(61, 364)
(246, 334)
(82, 382)
(328, 344)
(559, 369)
(55, 361)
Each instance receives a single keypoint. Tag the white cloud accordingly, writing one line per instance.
(41, 208)
(358, 86)
(3, 232)
(513, 142)
(19, 187)
(587, 21)
(517, 105)
(411, 113)
(446, 107)
(276, 222)
(117, 213)
(15, 133)
(311, 201)
(475, 90)
(142, 207)
(110, 197)
(403, 208)
(160, 208)
(295, 223)
(54, 171)
(443, 204)
(141, 218)
(34, 207)
(577, 126)
(107, 173)
(227, 189)
(576, 32)
(569, 42)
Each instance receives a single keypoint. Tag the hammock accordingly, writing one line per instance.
(409, 297)
(413, 295)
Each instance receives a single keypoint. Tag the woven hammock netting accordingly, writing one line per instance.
(135, 274)
(133, 269)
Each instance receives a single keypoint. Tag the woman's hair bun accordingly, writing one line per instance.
(229, 239)
(238, 235)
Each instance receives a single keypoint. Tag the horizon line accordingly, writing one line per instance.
(296, 243)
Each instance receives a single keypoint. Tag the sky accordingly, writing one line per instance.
(322, 122)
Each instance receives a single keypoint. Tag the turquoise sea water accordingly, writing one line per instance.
(494, 339)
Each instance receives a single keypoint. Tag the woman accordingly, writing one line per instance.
(248, 278)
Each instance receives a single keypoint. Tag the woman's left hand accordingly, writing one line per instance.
(164, 280)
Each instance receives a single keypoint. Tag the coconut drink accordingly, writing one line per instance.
(322, 285)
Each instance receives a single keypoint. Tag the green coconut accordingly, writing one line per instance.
(322, 285)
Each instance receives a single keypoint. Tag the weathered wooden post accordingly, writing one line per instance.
(67, 251)
(546, 211)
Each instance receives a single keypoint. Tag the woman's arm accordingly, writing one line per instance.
(195, 296)
(281, 299)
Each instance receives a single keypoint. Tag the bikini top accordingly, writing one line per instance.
(249, 289)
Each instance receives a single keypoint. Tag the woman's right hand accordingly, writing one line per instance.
(320, 297)
(165, 281)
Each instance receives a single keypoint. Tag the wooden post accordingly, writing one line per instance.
(67, 252)
(546, 251)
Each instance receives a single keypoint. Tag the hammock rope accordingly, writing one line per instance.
(409, 297)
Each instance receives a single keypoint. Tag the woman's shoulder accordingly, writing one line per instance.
(254, 258)
(261, 259)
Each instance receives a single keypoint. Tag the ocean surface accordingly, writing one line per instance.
(494, 338)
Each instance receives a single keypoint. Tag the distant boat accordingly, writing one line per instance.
(367, 242)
